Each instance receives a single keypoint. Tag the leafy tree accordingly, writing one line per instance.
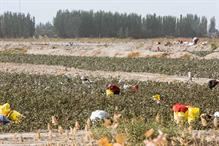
(108, 24)
(212, 28)
(13, 25)
(46, 29)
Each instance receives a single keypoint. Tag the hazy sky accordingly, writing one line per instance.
(45, 10)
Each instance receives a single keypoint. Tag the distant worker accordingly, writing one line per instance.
(113, 88)
(195, 40)
(212, 84)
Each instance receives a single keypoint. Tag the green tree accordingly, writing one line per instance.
(212, 25)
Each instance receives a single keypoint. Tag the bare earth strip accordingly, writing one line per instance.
(80, 138)
(61, 70)
(45, 138)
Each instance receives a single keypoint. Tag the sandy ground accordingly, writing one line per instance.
(46, 138)
(80, 138)
(61, 70)
(116, 48)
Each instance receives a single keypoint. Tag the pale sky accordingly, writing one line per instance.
(45, 10)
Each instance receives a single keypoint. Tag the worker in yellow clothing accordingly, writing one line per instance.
(8, 114)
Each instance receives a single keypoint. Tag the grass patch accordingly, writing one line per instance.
(137, 130)
(134, 130)
(15, 51)
(201, 53)
(214, 46)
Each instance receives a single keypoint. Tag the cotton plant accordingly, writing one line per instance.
(160, 140)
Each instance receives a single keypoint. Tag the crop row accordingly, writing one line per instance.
(199, 68)
(40, 97)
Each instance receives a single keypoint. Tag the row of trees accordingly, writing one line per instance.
(46, 29)
(13, 25)
(68, 24)
(107, 24)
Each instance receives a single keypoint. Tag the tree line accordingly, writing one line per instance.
(108, 24)
(14, 25)
(69, 24)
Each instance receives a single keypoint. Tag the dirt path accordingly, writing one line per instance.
(45, 138)
(80, 138)
(61, 70)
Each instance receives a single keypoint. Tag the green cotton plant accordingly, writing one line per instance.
(214, 46)
(39, 97)
(101, 131)
(134, 129)
(199, 68)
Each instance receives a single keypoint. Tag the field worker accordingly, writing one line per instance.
(4, 120)
(212, 83)
(114, 88)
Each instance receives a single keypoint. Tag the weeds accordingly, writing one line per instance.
(133, 54)
(15, 51)
(213, 46)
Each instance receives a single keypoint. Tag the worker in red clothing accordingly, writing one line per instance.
(114, 88)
